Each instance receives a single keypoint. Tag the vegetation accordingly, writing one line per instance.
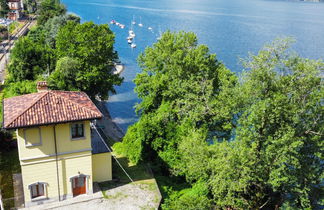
(4, 8)
(49, 9)
(86, 59)
(9, 165)
(247, 142)
(54, 50)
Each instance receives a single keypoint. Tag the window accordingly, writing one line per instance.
(33, 137)
(37, 190)
(77, 130)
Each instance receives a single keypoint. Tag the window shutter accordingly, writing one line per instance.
(34, 190)
(40, 189)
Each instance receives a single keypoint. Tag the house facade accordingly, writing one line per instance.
(60, 155)
(15, 7)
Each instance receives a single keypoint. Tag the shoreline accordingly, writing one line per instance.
(110, 128)
(119, 68)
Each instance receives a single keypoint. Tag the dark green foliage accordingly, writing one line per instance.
(19, 88)
(189, 199)
(178, 87)
(92, 47)
(30, 5)
(63, 78)
(266, 129)
(49, 9)
(4, 8)
(28, 60)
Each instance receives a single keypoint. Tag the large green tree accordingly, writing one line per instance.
(27, 60)
(48, 9)
(277, 153)
(256, 142)
(92, 46)
(179, 85)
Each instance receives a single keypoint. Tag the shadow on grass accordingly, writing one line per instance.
(139, 172)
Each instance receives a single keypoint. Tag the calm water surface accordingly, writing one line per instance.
(231, 29)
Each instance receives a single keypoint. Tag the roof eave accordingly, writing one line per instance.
(54, 123)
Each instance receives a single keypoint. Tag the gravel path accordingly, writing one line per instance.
(133, 196)
(140, 195)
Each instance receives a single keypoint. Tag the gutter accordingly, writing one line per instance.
(56, 161)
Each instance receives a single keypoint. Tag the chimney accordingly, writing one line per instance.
(42, 86)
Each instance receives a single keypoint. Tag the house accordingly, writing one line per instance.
(60, 155)
(15, 7)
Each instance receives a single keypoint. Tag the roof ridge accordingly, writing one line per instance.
(78, 104)
(29, 107)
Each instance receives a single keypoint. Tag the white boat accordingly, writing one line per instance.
(150, 28)
(129, 41)
(112, 22)
(122, 26)
(131, 33)
(160, 34)
(140, 24)
(133, 45)
(133, 21)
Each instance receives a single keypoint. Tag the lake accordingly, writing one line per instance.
(231, 29)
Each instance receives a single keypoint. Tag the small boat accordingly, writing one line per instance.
(150, 28)
(133, 45)
(131, 33)
(160, 34)
(129, 38)
(129, 41)
(112, 22)
(140, 24)
(122, 26)
(133, 21)
(118, 24)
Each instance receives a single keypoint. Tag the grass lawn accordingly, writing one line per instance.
(9, 164)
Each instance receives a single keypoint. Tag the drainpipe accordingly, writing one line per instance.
(57, 169)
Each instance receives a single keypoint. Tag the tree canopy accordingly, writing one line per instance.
(72, 56)
(254, 142)
(92, 47)
(49, 9)
(4, 8)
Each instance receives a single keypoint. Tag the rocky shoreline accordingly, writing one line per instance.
(111, 129)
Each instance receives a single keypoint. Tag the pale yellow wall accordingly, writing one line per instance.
(44, 170)
(38, 163)
(101, 167)
(47, 147)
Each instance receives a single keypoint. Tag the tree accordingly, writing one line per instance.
(63, 78)
(48, 9)
(93, 47)
(4, 8)
(178, 86)
(255, 142)
(27, 60)
(277, 153)
(19, 88)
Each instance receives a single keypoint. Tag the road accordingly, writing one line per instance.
(6, 47)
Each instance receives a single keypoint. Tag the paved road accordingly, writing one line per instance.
(6, 46)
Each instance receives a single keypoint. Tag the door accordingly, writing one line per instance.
(79, 186)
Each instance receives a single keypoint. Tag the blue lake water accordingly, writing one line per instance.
(231, 29)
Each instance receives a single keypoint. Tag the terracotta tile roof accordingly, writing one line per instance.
(48, 107)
